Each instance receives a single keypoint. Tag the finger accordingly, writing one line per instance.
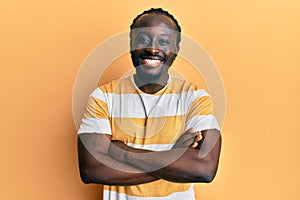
(194, 145)
(190, 136)
(189, 142)
(190, 130)
(198, 137)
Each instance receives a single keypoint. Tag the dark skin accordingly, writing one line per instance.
(97, 164)
(194, 156)
(154, 38)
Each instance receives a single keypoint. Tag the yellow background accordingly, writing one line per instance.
(255, 44)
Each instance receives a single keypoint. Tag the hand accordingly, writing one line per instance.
(188, 139)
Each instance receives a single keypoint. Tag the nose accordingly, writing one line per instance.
(152, 48)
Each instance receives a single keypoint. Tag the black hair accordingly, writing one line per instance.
(161, 12)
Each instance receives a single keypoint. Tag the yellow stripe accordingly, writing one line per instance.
(158, 130)
(96, 108)
(200, 106)
(158, 188)
(121, 86)
(177, 86)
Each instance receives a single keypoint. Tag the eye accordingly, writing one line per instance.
(164, 42)
(143, 39)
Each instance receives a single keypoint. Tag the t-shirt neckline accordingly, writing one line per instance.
(156, 93)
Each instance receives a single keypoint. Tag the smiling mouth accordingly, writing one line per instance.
(154, 61)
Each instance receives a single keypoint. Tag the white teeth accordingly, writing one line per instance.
(152, 61)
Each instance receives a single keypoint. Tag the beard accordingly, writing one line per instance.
(150, 77)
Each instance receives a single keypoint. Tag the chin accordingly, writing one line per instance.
(150, 76)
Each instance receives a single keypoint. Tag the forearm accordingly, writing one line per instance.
(176, 165)
(173, 165)
(99, 168)
(116, 173)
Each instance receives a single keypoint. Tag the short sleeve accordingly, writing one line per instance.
(200, 114)
(96, 115)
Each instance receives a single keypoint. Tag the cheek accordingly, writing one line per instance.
(170, 54)
(171, 57)
(169, 49)
(137, 45)
(136, 52)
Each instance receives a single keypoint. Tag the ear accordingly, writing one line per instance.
(130, 40)
(177, 49)
(130, 44)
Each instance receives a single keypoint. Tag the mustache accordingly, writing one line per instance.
(158, 56)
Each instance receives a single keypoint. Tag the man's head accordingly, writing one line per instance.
(154, 42)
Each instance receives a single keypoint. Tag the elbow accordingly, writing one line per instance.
(205, 176)
(92, 174)
(208, 177)
(206, 172)
(85, 175)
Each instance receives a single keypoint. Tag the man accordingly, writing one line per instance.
(150, 135)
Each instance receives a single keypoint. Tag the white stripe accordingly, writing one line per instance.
(97, 93)
(202, 122)
(152, 147)
(94, 125)
(138, 106)
(112, 195)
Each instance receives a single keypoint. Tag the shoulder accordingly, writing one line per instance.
(117, 86)
(180, 85)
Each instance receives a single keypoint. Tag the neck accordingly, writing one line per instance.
(152, 86)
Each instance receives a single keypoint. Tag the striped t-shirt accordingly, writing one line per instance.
(148, 121)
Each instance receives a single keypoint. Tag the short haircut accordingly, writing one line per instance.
(159, 11)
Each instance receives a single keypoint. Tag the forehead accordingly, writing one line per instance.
(155, 20)
(154, 32)
(155, 24)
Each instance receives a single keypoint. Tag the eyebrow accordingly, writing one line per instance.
(144, 32)
(165, 35)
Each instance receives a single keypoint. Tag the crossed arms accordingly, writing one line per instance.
(193, 158)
